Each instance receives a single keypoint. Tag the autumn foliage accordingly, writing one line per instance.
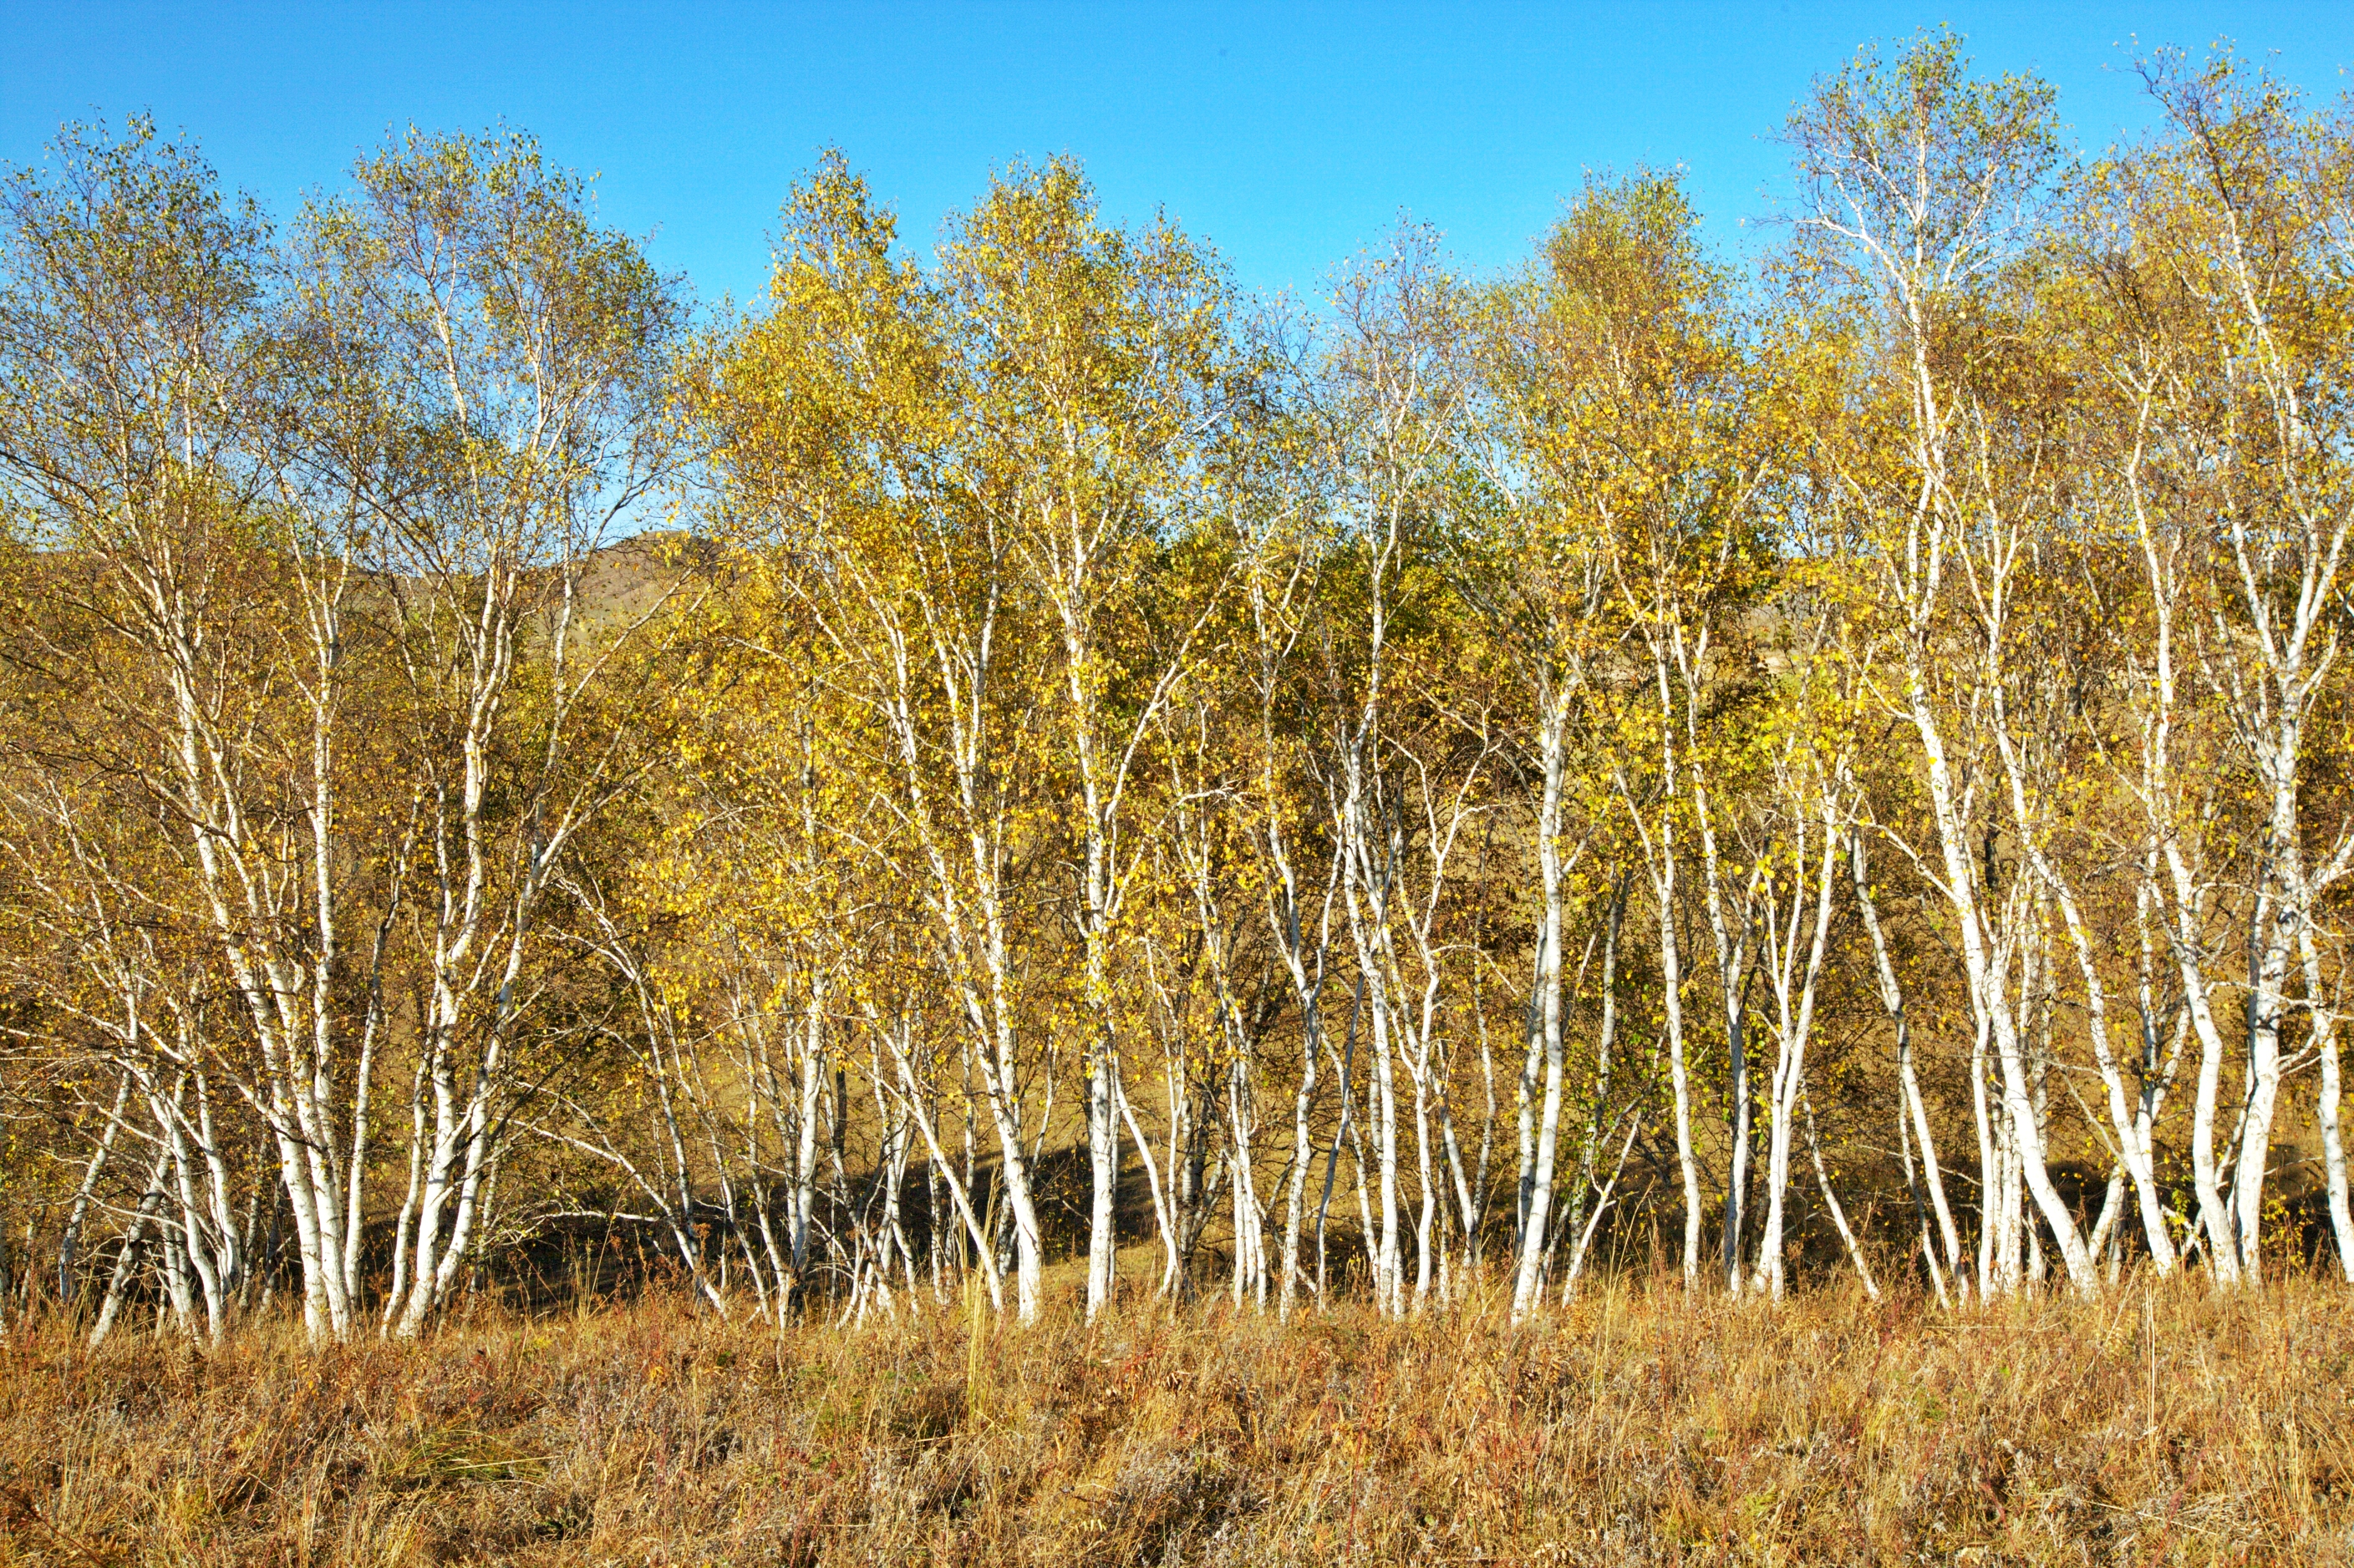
(1630, 910)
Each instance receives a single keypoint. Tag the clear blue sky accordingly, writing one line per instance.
(1288, 136)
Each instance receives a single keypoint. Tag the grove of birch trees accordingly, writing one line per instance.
(1012, 773)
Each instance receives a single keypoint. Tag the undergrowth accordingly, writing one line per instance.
(2159, 1424)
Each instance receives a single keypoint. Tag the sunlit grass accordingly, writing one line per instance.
(2158, 1426)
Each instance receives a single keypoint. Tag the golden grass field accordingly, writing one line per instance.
(2159, 1425)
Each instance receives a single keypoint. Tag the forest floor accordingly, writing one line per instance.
(2155, 1425)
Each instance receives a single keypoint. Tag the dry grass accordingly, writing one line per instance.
(1633, 1428)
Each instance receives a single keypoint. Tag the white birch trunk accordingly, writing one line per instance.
(1527, 1282)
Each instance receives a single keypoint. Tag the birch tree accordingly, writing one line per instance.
(1918, 187)
(525, 350)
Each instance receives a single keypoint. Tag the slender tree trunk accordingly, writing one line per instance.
(1794, 1020)
(68, 1279)
(1546, 1007)
(2326, 1110)
(1671, 990)
(1910, 1106)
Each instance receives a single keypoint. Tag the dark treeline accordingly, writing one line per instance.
(1003, 757)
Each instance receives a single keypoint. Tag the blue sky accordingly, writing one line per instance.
(1288, 136)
